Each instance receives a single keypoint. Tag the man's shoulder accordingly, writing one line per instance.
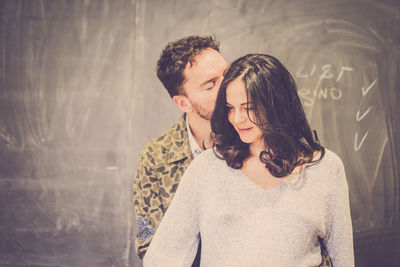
(166, 145)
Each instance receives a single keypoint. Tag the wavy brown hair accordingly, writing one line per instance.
(288, 139)
(176, 55)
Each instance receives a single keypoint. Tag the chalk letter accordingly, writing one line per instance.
(336, 94)
(365, 91)
(341, 72)
(298, 73)
(304, 94)
(326, 72)
(357, 147)
(323, 92)
(358, 118)
(313, 70)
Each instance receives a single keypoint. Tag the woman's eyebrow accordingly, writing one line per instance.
(243, 104)
(247, 104)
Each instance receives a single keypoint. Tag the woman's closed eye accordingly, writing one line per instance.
(248, 108)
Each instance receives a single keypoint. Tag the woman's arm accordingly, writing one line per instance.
(339, 241)
(176, 240)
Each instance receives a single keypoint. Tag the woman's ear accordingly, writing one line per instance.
(183, 103)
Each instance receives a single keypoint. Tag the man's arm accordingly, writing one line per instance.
(148, 205)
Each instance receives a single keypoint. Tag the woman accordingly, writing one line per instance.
(268, 192)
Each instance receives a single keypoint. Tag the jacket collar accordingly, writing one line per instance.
(180, 148)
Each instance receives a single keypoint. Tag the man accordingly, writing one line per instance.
(191, 69)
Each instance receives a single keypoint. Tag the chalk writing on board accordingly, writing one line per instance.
(359, 118)
(326, 69)
(358, 144)
(324, 72)
(365, 91)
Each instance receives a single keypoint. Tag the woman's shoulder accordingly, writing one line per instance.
(205, 160)
(203, 168)
(331, 159)
(330, 168)
(206, 157)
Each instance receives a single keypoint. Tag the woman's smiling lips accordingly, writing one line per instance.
(243, 130)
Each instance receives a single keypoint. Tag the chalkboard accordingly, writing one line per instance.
(79, 98)
(66, 130)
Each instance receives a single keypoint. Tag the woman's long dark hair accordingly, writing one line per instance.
(288, 139)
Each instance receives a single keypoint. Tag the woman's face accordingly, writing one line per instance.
(240, 112)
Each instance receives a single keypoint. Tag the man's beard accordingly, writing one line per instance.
(202, 112)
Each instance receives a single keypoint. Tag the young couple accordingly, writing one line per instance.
(260, 189)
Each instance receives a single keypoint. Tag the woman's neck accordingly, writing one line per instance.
(256, 148)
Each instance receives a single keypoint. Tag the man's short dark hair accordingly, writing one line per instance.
(176, 55)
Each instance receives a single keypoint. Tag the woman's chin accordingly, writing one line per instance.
(246, 140)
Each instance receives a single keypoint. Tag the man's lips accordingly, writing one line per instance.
(243, 130)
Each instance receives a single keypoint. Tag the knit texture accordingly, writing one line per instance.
(242, 224)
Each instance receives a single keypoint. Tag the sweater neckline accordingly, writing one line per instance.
(290, 181)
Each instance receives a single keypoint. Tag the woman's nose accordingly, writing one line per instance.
(240, 116)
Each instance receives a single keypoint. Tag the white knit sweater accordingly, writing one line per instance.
(243, 225)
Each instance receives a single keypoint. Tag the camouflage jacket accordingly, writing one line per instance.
(160, 167)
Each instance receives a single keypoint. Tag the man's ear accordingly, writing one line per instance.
(183, 103)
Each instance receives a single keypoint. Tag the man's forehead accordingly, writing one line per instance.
(204, 54)
(206, 67)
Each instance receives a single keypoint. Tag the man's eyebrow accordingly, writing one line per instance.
(208, 81)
